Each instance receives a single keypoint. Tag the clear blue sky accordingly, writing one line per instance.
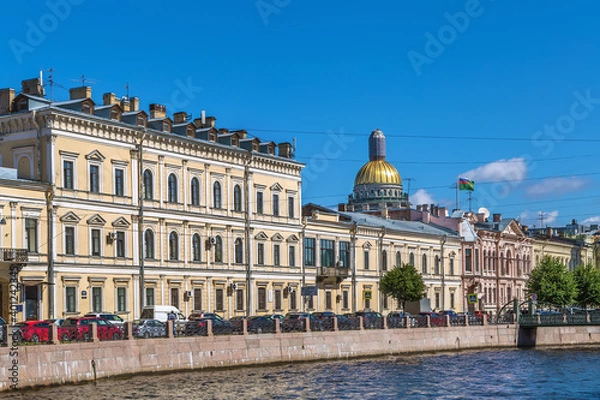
(472, 102)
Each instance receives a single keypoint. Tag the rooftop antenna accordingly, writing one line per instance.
(293, 147)
(127, 90)
(408, 188)
(83, 80)
(542, 215)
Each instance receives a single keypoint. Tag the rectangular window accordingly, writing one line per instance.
(94, 179)
(259, 202)
(310, 303)
(468, 267)
(366, 257)
(260, 257)
(175, 297)
(70, 298)
(70, 240)
(292, 256)
(119, 182)
(367, 303)
(345, 300)
(197, 299)
(328, 302)
(345, 254)
(309, 251)
(276, 255)
(97, 299)
(452, 266)
(121, 299)
(327, 253)
(262, 299)
(278, 300)
(451, 300)
(68, 174)
(292, 300)
(219, 303)
(31, 235)
(96, 242)
(276, 204)
(239, 300)
(437, 301)
(291, 207)
(120, 244)
(476, 260)
(150, 296)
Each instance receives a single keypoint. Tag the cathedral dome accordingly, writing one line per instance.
(378, 172)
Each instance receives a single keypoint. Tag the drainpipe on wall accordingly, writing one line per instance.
(353, 231)
(442, 242)
(247, 233)
(140, 147)
(380, 298)
(302, 265)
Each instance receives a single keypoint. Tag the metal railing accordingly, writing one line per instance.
(17, 256)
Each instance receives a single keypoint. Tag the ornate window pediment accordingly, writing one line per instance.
(261, 236)
(96, 156)
(367, 245)
(96, 219)
(293, 239)
(70, 217)
(276, 187)
(121, 222)
(277, 238)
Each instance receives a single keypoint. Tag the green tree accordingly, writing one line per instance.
(552, 283)
(587, 280)
(403, 283)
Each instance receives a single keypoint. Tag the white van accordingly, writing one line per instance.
(161, 313)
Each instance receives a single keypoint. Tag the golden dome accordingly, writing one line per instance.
(378, 172)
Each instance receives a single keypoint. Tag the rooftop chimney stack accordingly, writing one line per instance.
(497, 217)
(285, 150)
(134, 104)
(33, 87)
(180, 117)
(6, 98)
(157, 111)
(108, 99)
(81, 92)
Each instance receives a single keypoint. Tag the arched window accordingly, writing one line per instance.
(218, 249)
(237, 198)
(217, 195)
(195, 192)
(148, 244)
(398, 259)
(196, 247)
(384, 260)
(436, 265)
(148, 185)
(172, 185)
(173, 246)
(411, 258)
(424, 264)
(239, 251)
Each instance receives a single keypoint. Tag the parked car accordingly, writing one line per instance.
(79, 329)
(371, 319)
(220, 326)
(261, 324)
(451, 313)
(395, 319)
(148, 328)
(237, 323)
(435, 318)
(34, 331)
(195, 316)
(57, 321)
(112, 318)
(296, 321)
(161, 313)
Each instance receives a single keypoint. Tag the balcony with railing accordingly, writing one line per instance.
(13, 256)
(337, 273)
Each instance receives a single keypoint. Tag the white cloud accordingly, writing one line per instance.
(532, 218)
(421, 197)
(556, 186)
(514, 169)
(591, 220)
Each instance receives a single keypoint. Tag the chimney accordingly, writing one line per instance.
(108, 99)
(342, 207)
(497, 217)
(6, 98)
(33, 87)
(285, 150)
(81, 92)
(203, 117)
(134, 103)
(125, 105)
(242, 133)
(157, 111)
(426, 207)
(223, 131)
(180, 117)
(548, 231)
(442, 212)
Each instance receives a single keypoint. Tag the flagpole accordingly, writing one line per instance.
(457, 204)
(470, 199)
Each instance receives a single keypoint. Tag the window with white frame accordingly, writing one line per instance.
(292, 256)
(275, 204)
(71, 299)
(195, 192)
(196, 247)
(173, 246)
(121, 299)
(276, 254)
(237, 198)
(238, 251)
(172, 188)
(96, 242)
(119, 182)
(70, 240)
(68, 174)
(97, 299)
(120, 244)
(94, 179)
(259, 203)
(197, 298)
(260, 256)
(149, 244)
(150, 296)
(31, 234)
(217, 195)
(262, 298)
(148, 185)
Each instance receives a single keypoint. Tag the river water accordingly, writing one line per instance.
(556, 373)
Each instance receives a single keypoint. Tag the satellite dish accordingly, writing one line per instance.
(484, 211)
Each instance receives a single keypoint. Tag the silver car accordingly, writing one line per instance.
(145, 328)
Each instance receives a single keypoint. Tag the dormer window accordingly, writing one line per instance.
(141, 121)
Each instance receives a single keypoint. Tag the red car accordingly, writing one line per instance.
(79, 329)
(34, 331)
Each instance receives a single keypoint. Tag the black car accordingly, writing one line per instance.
(261, 324)
(237, 323)
(220, 326)
(296, 321)
(371, 319)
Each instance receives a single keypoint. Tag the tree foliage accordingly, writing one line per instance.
(403, 283)
(587, 280)
(552, 282)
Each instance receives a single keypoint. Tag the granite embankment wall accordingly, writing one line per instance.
(77, 362)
